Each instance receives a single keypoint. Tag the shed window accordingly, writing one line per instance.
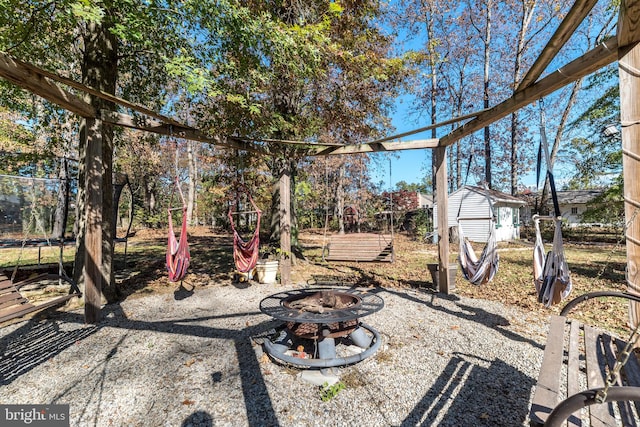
(574, 211)
(515, 219)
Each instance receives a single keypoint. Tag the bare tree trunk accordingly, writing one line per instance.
(193, 171)
(340, 199)
(527, 14)
(149, 198)
(487, 69)
(433, 89)
(62, 205)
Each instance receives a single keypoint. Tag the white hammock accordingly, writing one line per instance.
(478, 270)
(550, 271)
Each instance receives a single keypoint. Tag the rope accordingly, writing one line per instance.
(551, 274)
(545, 147)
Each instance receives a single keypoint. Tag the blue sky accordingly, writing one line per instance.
(406, 165)
(412, 165)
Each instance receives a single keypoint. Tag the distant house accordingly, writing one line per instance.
(476, 207)
(425, 201)
(405, 201)
(572, 204)
(422, 204)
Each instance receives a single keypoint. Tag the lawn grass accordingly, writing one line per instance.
(593, 268)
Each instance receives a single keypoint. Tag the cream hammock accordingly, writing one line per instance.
(478, 270)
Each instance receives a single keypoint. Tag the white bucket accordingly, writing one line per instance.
(267, 271)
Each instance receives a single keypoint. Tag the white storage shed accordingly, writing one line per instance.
(475, 206)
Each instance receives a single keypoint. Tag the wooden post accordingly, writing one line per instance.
(442, 199)
(93, 217)
(628, 66)
(285, 227)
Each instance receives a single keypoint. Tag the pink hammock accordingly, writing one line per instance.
(246, 253)
(178, 256)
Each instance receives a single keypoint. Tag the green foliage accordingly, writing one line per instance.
(87, 11)
(599, 157)
(423, 221)
(328, 392)
(186, 69)
(608, 208)
(422, 187)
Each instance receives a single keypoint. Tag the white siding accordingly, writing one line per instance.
(571, 218)
(505, 227)
(474, 210)
(471, 205)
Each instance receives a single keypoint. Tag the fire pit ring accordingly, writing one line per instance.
(327, 317)
(279, 307)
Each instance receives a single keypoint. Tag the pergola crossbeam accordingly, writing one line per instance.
(378, 147)
(179, 131)
(18, 73)
(567, 27)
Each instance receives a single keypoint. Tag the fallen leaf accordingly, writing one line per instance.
(188, 363)
(188, 402)
(484, 416)
(454, 327)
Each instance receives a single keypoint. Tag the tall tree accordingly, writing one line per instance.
(526, 12)
(97, 43)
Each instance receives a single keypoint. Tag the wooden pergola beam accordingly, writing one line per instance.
(95, 92)
(567, 27)
(628, 36)
(429, 127)
(628, 32)
(378, 147)
(18, 73)
(179, 131)
(442, 199)
(600, 56)
(36, 80)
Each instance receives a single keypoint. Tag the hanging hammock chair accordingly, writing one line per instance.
(478, 270)
(178, 256)
(550, 271)
(246, 253)
(551, 274)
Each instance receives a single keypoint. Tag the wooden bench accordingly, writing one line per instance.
(13, 304)
(575, 367)
(365, 247)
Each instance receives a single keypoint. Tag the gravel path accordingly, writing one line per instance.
(193, 360)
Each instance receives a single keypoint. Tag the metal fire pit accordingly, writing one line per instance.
(322, 317)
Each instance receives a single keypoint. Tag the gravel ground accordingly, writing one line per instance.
(194, 360)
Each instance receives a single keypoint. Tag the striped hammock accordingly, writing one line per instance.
(551, 274)
(478, 270)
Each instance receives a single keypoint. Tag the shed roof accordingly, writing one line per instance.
(494, 195)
